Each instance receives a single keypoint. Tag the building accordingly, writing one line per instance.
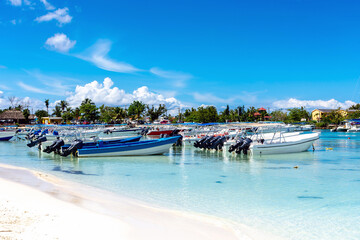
(14, 116)
(318, 114)
(51, 120)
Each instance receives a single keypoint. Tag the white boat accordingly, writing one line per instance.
(280, 144)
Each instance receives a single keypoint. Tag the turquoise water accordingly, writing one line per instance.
(318, 200)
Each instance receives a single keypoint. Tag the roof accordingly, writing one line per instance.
(267, 117)
(257, 114)
(12, 114)
(262, 109)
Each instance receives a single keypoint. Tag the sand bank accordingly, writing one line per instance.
(36, 205)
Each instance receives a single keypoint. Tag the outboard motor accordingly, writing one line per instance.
(244, 147)
(77, 144)
(179, 142)
(210, 143)
(219, 143)
(199, 142)
(174, 132)
(36, 142)
(55, 146)
(236, 145)
(107, 131)
(204, 143)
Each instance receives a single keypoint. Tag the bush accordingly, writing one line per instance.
(321, 124)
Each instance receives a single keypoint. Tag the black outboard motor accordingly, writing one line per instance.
(179, 142)
(219, 143)
(174, 132)
(37, 141)
(199, 142)
(108, 131)
(244, 147)
(55, 146)
(211, 142)
(204, 143)
(77, 144)
(236, 145)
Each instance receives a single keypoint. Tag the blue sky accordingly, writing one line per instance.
(264, 53)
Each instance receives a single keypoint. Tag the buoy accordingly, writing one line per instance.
(348, 137)
(329, 148)
(296, 167)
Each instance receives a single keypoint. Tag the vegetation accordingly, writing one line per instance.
(41, 114)
(138, 110)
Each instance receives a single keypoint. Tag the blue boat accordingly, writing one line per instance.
(148, 147)
(101, 143)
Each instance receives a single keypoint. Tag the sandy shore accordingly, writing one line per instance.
(36, 205)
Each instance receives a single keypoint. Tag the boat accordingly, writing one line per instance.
(98, 143)
(6, 135)
(280, 144)
(141, 148)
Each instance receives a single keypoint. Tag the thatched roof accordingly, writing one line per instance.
(12, 115)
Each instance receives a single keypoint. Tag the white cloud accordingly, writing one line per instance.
(60, 42)
(97, 54)
(37, 90)
(15, 2)
(330, 104)
(61, 15)
(32, 103)
(47, 5)
(105, 93)
(179, 79)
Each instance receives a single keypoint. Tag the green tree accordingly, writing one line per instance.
(57, 111)
(89, 110)
(278, 115)
(41, 114)
(47, 105)
(26, 113)
(296, 114)
(155, 113)
(136, 109)
(120, 114)
(355, 107)
(63, 105)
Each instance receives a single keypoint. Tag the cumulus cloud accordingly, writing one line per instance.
(98, 55)
(61, 15)
(330, 104)
(15, 2)
(60, 42)
(105, 93)
(179, 79)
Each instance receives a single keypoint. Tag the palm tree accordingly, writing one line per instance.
(47, 105)
(63, 105)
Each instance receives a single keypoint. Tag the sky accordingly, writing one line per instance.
(264, 53)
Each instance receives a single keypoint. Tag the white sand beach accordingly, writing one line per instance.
(36, 205)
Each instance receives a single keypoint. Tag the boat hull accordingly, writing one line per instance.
(132, 149)
(281, 148)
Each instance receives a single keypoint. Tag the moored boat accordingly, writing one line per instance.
(148, 147)
(281, 145)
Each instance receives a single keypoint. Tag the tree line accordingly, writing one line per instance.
(138, 110)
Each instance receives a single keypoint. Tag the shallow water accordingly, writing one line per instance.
(318, 200)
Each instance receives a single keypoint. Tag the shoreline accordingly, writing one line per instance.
(133, 219)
